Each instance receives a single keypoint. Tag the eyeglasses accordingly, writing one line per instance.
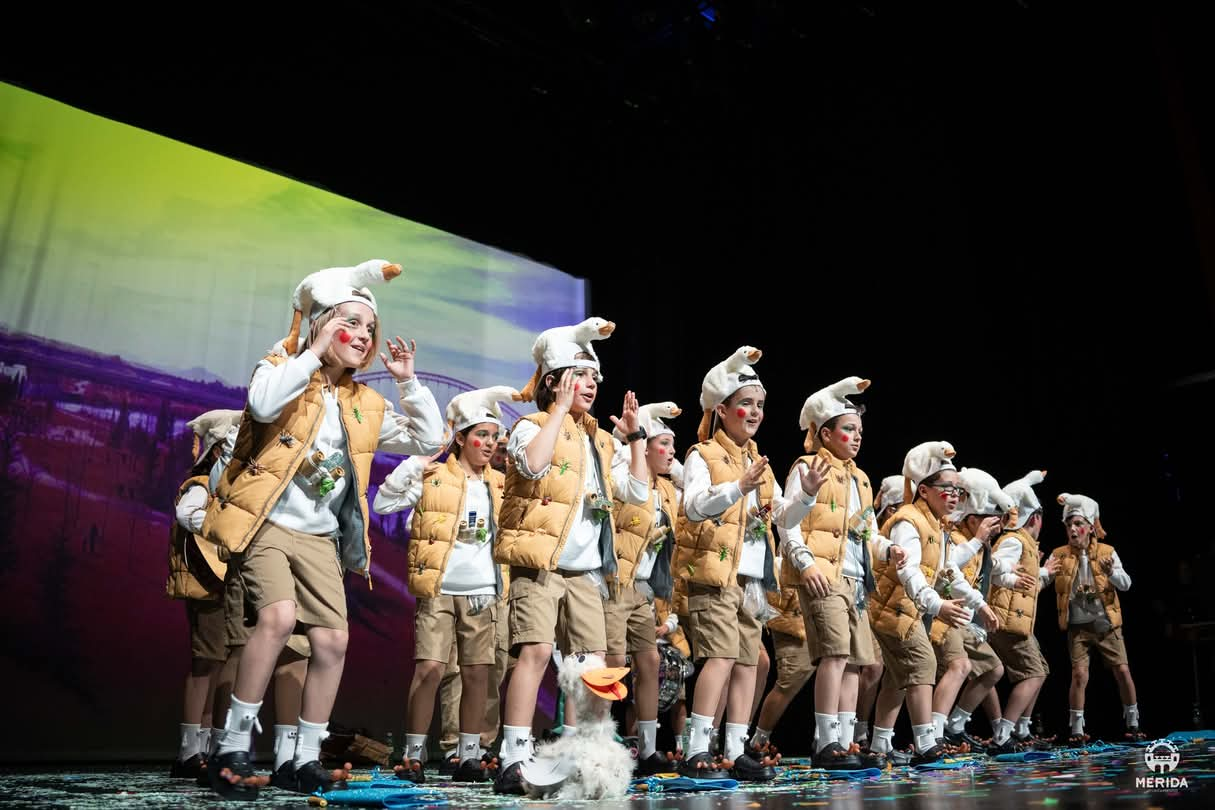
(951, 489)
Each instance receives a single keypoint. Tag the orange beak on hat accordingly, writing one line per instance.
(606, 682)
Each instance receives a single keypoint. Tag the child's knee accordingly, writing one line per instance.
(328, 642)
(1080, 676)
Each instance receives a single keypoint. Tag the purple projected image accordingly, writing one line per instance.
(93, 448)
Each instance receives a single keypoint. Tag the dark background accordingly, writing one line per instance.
(1000, 212)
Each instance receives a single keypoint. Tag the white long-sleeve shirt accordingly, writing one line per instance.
(581, 551)
(1004, 562)
(704, 500)
(418, 430)
(923, 593)
(470, 566)
(192, 508)
(794, 508)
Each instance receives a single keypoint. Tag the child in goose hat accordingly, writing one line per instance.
(556, 530)
(920, 588)
(1087, 583)
(293, 500)
(831, 543)
(1017, 579)
(452, 574)
(726, 555)
(644, 545)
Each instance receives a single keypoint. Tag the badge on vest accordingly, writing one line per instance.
(323, 472)
(601, 507)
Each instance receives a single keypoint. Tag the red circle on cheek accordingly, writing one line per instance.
(343, 336)
(741, 412)
(476, 442)
(577, 386)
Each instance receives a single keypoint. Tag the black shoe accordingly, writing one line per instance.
(702, 766)
(187, 769)
(202, 780)
(510, 780)
(236, 764)
(931, 755)
(1133, 734)
(1006, 747)
(899, 759)
(1032, 743)
(654, 763)
(747, 768)
(313, 776)
(872, 759)
(284, 777)
(449, 765)
(410, 770)
(962, 738)
(833, 757)
(471, 770)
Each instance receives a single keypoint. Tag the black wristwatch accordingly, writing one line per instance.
(639, 433)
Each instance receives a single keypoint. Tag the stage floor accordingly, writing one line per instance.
(1071, 779)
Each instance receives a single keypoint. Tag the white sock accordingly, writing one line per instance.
(285, 739)
(239, 725)
(925, 737)
(308, 742)
(958, 719)
(204, 741)
(827, 727)
(762, 735)
(649, 737)
(188, 746)
(736, 740)
(883, 740)
(470, 747)
(861, 732)
(1023, 727)
(1131, 715)
(1003, 730)
(847, 728)
(938, 724)
(1077, 720)
(415, 747)
(700, 729)
(516, 745)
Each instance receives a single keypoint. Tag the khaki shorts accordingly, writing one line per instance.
(910, 661)
(1080, 640)
(630, 622)
(834, 626)
(237, 613)
(547, 605)
(442, 619)
(1022, 657)
(282, 565)
(793, 667)
(208, 631)
(983, 658)
(951, 648)
(720, 628)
